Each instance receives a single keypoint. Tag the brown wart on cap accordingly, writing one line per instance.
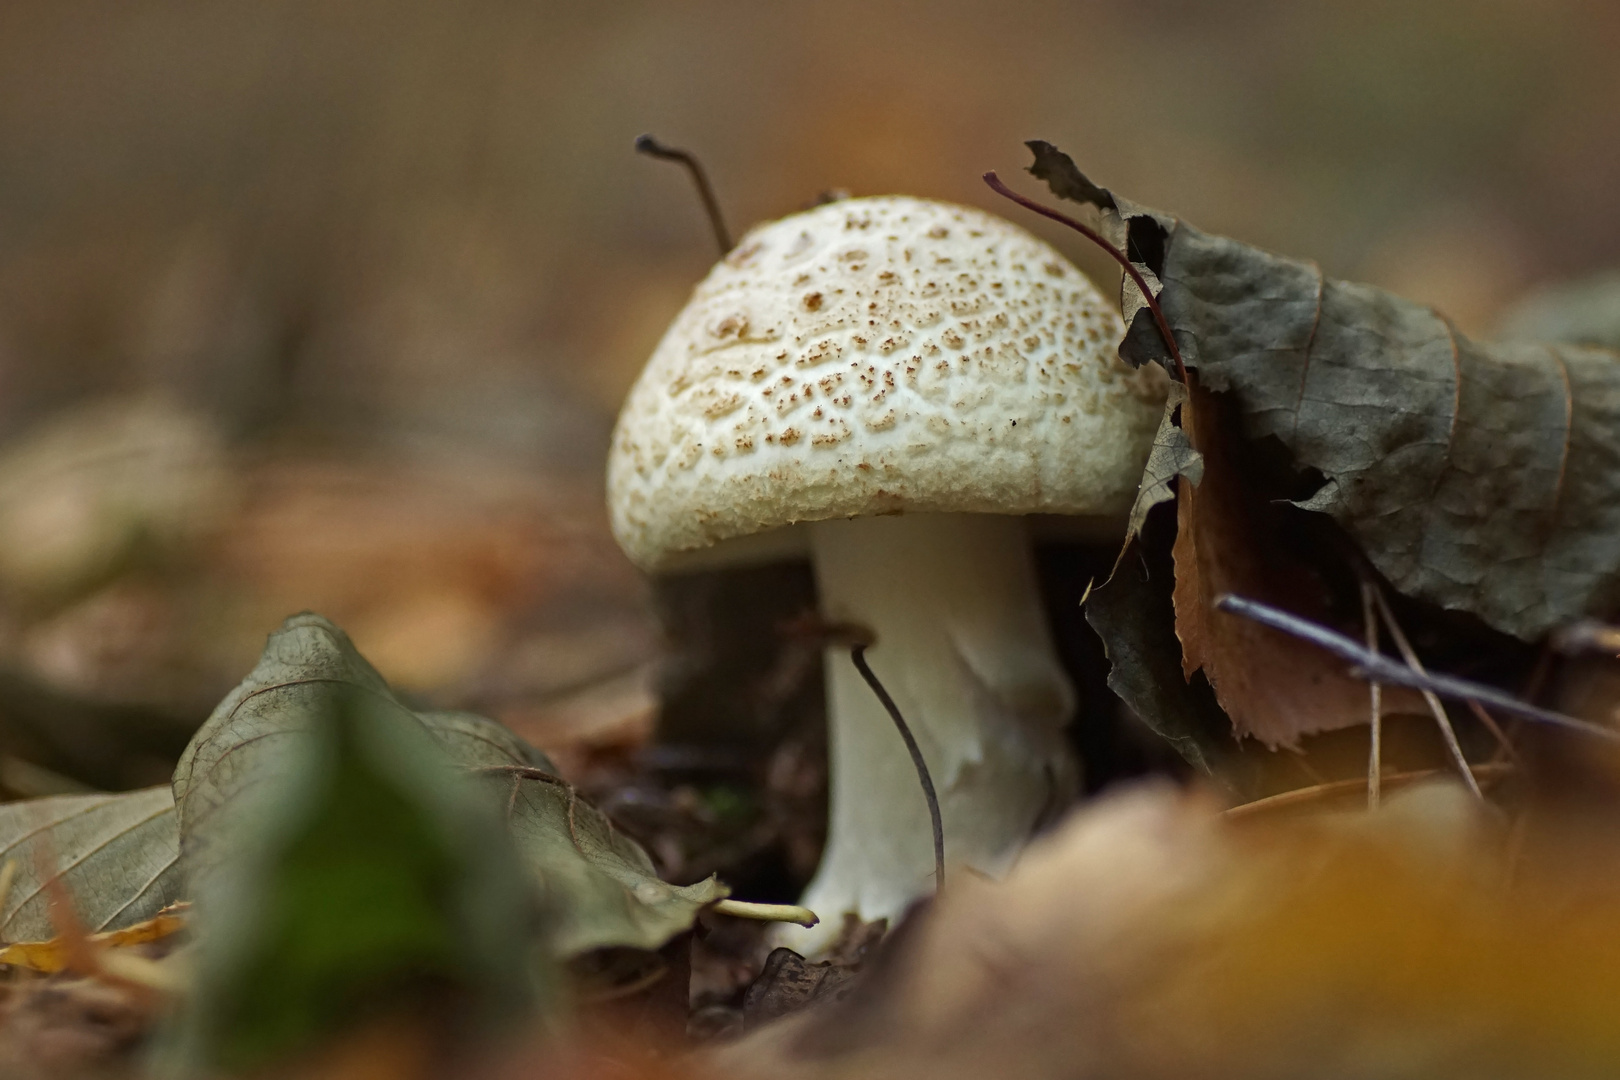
(890, 384)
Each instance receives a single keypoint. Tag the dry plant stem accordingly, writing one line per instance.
(650, 146)
(742, 909)
(857, 653)
(1370, 665)
(1503, 743)
(1487, 773)
(1375, 691)
(1118, 256)
(1447, 732)
(1530, 690)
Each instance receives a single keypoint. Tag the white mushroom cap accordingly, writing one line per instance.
(872, 356)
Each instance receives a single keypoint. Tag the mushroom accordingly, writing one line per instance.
(892, 384)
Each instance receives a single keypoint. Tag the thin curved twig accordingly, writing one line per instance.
(1489, 772)
(1375, 694)
(1448, 733)
(1371, 665)
(857, 653)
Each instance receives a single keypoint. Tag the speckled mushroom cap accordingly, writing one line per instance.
(874, 356)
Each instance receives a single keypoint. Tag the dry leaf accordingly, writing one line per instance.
(1133, 615)
(49, 956)
(115, 854)
(600, 886)
(1274, 687)
(1149, 938)
(1478, 476)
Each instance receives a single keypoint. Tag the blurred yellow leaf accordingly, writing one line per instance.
(48, 956)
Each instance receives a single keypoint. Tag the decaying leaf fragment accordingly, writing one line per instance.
(1132, 615)
(1172, 456)
(1481, 477)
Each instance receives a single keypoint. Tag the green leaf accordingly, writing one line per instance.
(117, 856)
(599, 886)
(313, 791)
(1482, 477)
(341, 863)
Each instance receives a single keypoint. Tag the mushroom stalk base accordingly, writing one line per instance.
(963, 647)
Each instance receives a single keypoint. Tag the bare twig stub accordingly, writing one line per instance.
(857, 653)
(650, 146)
(1504, 744)
(1371, 665)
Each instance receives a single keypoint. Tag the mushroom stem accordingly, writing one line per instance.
(963, 647)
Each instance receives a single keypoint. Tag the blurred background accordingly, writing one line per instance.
(330, 304)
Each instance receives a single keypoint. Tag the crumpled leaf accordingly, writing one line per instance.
(1132, 615)
(1481, 477)
(1274, 687)
(115, 854)
(600, 888)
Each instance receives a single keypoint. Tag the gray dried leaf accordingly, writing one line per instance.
(1480, 477)
(599, 886)
(116, 854)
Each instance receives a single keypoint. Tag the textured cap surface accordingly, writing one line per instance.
(874, 356)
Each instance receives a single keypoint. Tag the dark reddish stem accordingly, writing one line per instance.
(857, 653)
(1096, 238)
